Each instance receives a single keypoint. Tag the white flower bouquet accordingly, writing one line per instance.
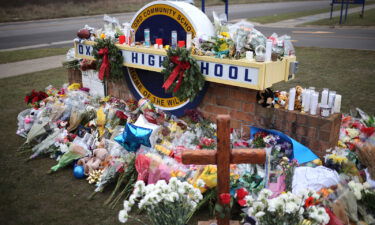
(165, 204)
(286, 209)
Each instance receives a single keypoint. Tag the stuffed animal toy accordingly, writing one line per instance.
(265, 98)
(298, 100)
(281, 99)
(366, 154)
(94, 162)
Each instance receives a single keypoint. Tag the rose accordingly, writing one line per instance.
(224, 198)
(241, 193)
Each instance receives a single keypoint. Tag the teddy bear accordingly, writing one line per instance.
(298, 99)
(281, 99)
(94, 162)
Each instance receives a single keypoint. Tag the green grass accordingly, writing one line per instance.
(349, 72)
(21, 10)
(30, 196)
(353, 19)
(20, 55)
(286, 16)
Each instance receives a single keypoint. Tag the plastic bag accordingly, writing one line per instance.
(75, 119)
(43, 146)
(76, 151)
(24, 125)
(307, 178)
(142, 165)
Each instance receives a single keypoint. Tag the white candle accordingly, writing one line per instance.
(324, 96)
(311, 98)
(292, 97)
(249, 55)
(331, 98)
(314, 103)
(188, 40)
(268, 50)
(306, 100)
(337, 105)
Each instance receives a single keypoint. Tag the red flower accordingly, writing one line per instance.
(35, 99)
(121, 115)
(309, 202)
(241, 202)
(224, 198)
(357, 125)
(241, 193)
(27, 99)
(42, 95)
(368, 131)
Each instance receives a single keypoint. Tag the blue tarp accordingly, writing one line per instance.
(300, 152)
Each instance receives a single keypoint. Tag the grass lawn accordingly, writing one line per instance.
(353, 19)
(29, 196)
(20, 10)
(349, 72)
(286, 16)
(20, 55)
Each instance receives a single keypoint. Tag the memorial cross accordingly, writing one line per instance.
(223, 157)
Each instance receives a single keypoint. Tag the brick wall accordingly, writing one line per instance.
(315, 132)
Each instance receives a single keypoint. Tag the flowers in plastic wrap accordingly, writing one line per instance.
(287, 208)
(35, 97)
(207, 174)
(163, 203)
(75, 152)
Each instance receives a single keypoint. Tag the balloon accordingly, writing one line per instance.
(79, 172)
(133, 137)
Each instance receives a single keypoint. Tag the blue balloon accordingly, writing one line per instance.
(79, 172)
(133, 137)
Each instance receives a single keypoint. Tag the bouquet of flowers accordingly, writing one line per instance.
(35, 97)
(287, 208)
(165, 204)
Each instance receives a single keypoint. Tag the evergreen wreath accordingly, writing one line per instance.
(182, 75)
(114, 58)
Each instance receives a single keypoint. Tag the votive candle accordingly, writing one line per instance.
(325, 96)
(314, 103)
(331, 98)
(337, 105)
(292, 98)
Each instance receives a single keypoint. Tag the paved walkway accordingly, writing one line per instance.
(316, 17)
(30, 66)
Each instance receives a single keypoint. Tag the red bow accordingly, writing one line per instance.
(177, 71)
(104, 68)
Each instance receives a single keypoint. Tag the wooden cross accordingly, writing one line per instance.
(223, 157)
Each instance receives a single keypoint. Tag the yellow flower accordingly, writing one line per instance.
(223, 47)
(102, 35)
(225, 34)
(74, 86)
(105, 99)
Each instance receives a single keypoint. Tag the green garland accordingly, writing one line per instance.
(114, 56)
(193, 80)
